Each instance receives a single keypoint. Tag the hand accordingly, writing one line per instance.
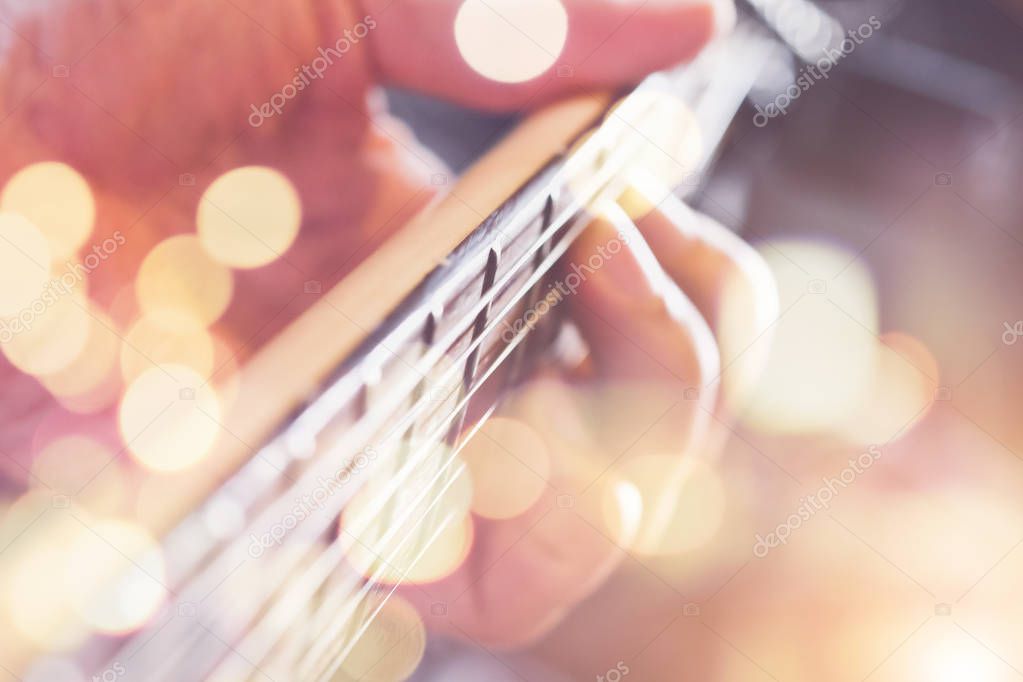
(583, 467)
(155, 92)
(151, 102)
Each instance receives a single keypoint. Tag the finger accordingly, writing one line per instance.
(724, 276)
(660, 454)
(648, 343)
(609, 43)
(654, 358)
(640, 327)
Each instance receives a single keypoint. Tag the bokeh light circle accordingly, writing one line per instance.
(820, 364)
(57, 200)
(511, 41)
(24, 263)
(118, 581)
(428, 531)
(36, 538)
(94, 364)
(166, 337)
(249, 217)
(387, 648)
(178, 275)
(510, 467)
(169, 418)
(38, 608)
(51, 336)
(683, 503)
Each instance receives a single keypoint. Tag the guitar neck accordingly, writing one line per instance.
(389, 375)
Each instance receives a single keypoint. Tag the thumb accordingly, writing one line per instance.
(503, 54)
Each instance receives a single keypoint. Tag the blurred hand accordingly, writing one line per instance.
(156, 90)
(670, 315)
(136, 95)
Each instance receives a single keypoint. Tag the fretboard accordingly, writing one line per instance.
(398, 410)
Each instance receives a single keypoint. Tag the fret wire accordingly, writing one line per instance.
(325, 637)
(183, 646)
(195, 592)
(412, 434)
(565, 217)
(472, 362)
(374, 580)
(271, 596)
(325, 563)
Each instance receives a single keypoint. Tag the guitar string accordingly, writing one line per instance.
(398, 430)
(525, 292)
(340, 657)
(340, 624)
(375, 580)
(274, 624)
(495, 291)
(414, 506)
